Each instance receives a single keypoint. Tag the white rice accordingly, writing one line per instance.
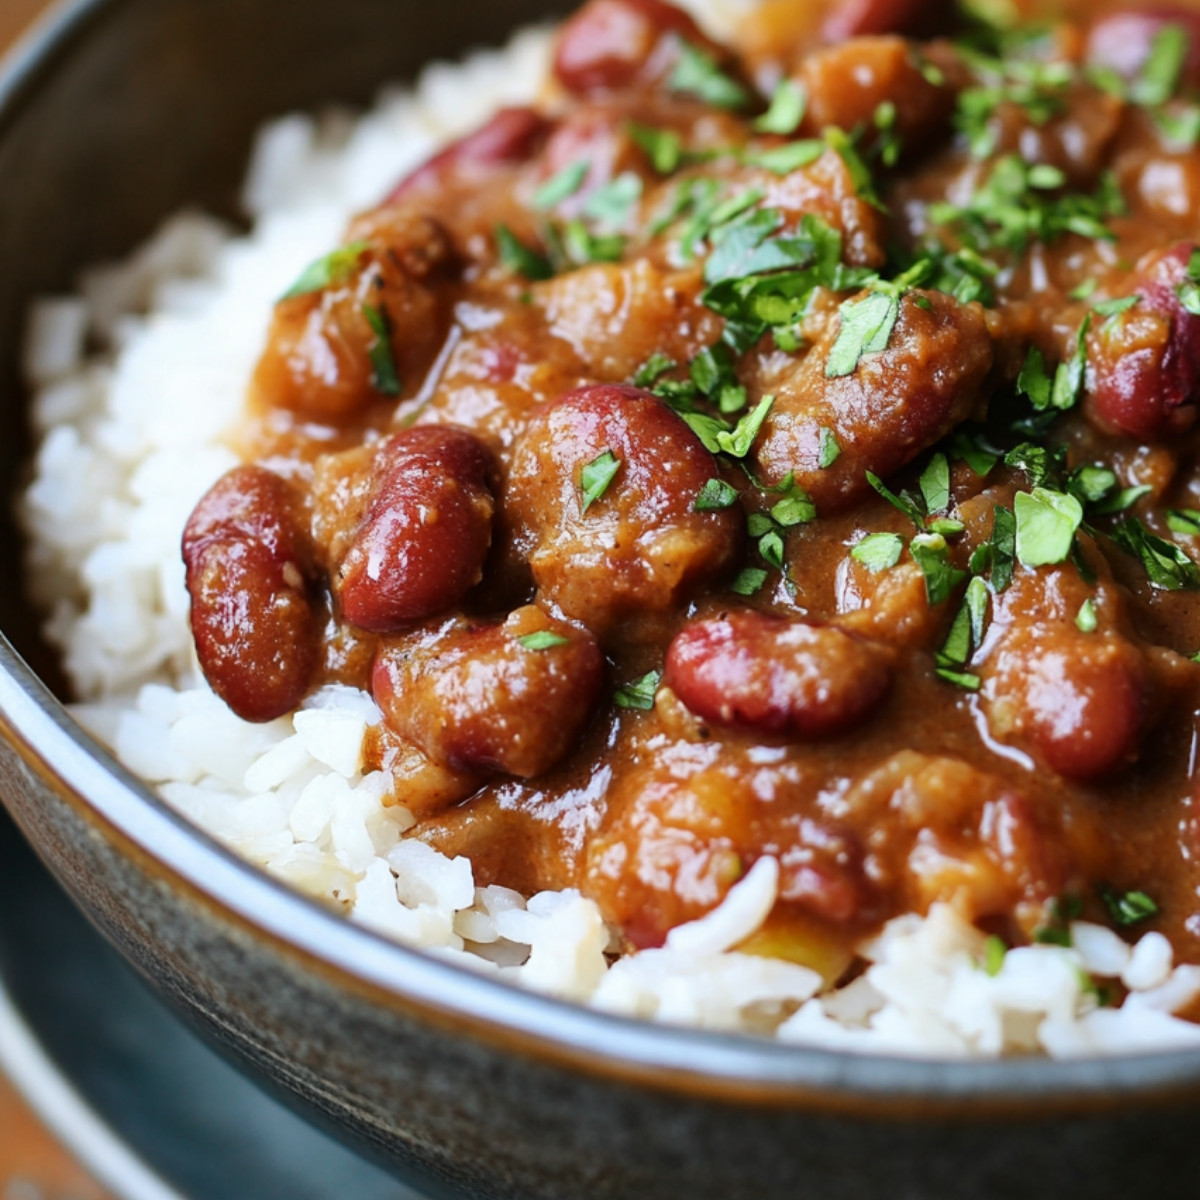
(131, 437)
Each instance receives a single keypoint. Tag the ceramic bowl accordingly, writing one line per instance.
(117, 113)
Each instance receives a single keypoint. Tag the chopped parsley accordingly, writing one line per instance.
(1047, 522)
(663, 147)
(1128, 908)
(932, 555)
(749, 581)
(828, 450)
(1161, 72)
(639, 693)
(331, 271)
(544, 639)
(905, 502)
(1085, 618)
(867, 321)
(786, 112)
(596, 476)
(935, 484)
(612, 204)
(1003, 547)
(1020, 203)
(994, 951)
(715, 496)
(866, 328)
(519, 258)
(1167, 566)
(698, 74)
(878, 551)
(783, 160)
(965, 637)
(560, 187)
(1061, 390)
(1189, 290)
(1184, 520)
(653, 369)
(384, 376)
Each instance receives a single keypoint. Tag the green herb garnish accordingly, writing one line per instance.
(786, 111)
(828, 450)
(1167, 565)
(1128, 908)
(384, 376)
(334, 269)
(715, 496)
(544, 639)
(596, 476)
(878, 551)
(698, 74)
(519, 258)
(639, 694)
(560, 187)
(1047, 522)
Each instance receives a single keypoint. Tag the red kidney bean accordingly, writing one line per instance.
(1084, 707)
(248, 569)
(1123, 40)
(894, 405)
(426, 533)
(1080, 700)
(511, 698)
(777, 676)
(1144, 367)
(612, 45)
(855, 18)
(510, 138)
(640, 545)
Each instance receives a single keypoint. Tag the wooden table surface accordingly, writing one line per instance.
(32, 1165)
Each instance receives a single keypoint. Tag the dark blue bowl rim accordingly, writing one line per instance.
(723, 1067)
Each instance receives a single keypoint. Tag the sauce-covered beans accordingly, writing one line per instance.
(783, 448)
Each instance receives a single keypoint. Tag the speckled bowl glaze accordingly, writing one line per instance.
(115, 114)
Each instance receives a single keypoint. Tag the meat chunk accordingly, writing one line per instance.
(250, 577)
(847, 82)
(890, 408)
(511, 698)
(602, 498)
(615, 316)
(370, 324)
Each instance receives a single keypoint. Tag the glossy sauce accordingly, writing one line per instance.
(506, 527)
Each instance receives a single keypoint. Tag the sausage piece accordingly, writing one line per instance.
(615, 45)
(248, 570)
(428, 526)
(894, 405)
(857, 18)
(511, 698)
(638, 545)
(777, 676)
(513, 136)
(1144, 365)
